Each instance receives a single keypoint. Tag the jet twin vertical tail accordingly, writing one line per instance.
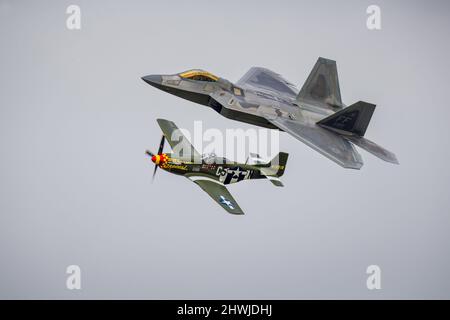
(322, 86)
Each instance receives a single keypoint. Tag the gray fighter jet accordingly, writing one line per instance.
(314, 115)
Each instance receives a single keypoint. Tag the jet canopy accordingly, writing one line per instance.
(199, 75)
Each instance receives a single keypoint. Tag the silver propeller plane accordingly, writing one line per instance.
(314, 115)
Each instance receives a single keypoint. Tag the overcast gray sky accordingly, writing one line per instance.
(75, 185)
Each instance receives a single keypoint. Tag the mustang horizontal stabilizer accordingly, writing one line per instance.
(254, 158)
(352, 120)
(322, 86)
(276, 166)
(274, 169)
(218, 192)
(275, 181)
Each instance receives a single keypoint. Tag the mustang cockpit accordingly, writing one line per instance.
(212, 158)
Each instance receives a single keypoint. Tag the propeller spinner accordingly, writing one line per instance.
(158, 158)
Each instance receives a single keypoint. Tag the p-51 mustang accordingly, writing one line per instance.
(209, 172)
(314, 115)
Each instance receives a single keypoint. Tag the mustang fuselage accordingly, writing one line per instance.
(217, 168)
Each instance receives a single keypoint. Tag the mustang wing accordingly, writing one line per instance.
(328, 143)
(218, 192)
(178, 142)
(267, 80)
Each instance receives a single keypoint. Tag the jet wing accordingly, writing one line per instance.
(373, 148)
(267, 80)
(178, 142)
(328, 143)
(218, 192)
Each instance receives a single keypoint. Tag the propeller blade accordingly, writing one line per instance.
(161, 145)
(154, 172)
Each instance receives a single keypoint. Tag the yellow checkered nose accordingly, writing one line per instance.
(159, 158)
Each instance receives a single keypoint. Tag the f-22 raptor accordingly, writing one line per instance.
(212, 173)
(314, 115)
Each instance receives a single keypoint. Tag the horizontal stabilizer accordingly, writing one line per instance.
(373, 148)
(276, 181)
(352, 120)
(254, 158)
(328, 143)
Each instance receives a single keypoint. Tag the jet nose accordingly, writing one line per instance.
(153, 79)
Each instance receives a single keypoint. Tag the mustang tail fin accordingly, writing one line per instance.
(278, 164)
(274, 169)
(322, 86)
